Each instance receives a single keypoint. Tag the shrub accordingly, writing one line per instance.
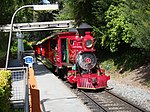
(5, 90)
(14, 47)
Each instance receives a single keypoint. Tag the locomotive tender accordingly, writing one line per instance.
(73, 56)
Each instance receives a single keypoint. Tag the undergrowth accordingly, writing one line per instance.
(124, 61)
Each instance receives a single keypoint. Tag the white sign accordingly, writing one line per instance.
(28, 60)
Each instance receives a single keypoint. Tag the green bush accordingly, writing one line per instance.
(5, 90)
(14, 47)
(27, 45)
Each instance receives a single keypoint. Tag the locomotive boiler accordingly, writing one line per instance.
(72, 54)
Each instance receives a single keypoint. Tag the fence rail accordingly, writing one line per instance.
(34, 93)
(20, 90)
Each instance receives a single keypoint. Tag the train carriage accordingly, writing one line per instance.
(72, 53)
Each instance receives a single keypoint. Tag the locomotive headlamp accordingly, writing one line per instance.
(88, 43)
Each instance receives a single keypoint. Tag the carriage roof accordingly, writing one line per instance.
(55, 35)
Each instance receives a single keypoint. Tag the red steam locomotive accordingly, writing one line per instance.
(73, 56)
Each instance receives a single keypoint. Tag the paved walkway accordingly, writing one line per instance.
(54, 95)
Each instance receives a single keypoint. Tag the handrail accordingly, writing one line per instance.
(34, 93)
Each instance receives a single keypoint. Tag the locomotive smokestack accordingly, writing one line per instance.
(84, 27)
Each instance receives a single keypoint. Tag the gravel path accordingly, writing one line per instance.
(136, 95)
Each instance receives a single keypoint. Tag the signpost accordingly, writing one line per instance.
(29, 61)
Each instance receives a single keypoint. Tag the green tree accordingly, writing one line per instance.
(122, 22)
(116, 23)
(138, 14)
(8, 7)
(79, 10)
(118, 30)
(99, 23)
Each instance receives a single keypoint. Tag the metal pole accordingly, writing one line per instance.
(20, 45)
(10, 33)
(27, 109)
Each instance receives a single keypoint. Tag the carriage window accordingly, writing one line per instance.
(71, 42)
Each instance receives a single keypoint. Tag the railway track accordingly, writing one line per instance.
(105, 101)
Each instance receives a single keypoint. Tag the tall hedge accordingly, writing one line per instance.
(5, 90)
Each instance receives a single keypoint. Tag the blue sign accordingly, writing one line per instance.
(28, 60)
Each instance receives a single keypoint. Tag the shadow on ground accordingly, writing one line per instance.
(40, 69)
(143, 74)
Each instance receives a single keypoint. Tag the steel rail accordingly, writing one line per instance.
(99, 106)
(128, 102)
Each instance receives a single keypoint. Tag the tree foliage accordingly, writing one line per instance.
(117, 29)
(116, 23)
(79, 10)
(138, 14)
(8, 7)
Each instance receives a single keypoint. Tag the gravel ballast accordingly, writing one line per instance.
(133, 94)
